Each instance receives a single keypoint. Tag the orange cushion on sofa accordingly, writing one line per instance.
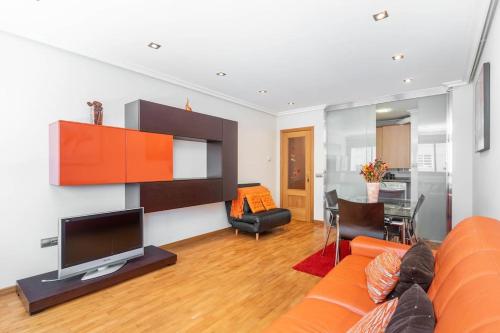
(382, 274)
(267, 201)
(255, 203)
(376, 320)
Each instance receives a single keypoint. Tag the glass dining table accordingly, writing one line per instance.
(398, 212)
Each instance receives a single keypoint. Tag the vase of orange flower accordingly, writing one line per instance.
(373, 172)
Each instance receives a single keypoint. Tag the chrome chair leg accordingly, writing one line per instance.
(337, 242)
(328, 234)
(409, 233)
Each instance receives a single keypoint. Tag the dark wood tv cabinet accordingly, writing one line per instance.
(38, 296)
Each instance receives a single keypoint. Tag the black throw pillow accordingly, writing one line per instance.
(414, 313)
(417, 266)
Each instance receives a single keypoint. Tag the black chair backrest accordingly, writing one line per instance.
(361, 214)
(420, 201)
(248, 184)
(391, 194)
(331, 198)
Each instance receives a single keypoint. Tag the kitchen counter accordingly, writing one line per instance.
(400, 183)
(397, 180)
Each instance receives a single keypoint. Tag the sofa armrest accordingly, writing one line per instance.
(372, 247)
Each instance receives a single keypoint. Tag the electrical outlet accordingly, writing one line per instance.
(48, 242)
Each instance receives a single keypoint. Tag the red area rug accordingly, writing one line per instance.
(319, 265)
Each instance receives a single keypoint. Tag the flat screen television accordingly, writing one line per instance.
(99, 244)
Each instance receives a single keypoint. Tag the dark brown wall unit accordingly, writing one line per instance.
(221, 136)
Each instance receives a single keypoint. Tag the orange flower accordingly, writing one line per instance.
(373, 172)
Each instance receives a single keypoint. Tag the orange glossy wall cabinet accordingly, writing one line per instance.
(84, 154)
(149, 156)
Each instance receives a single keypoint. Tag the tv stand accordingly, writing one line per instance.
(103, 270)
(38, 296)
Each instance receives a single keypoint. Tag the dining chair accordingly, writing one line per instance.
(359, 219)
(411, 227)
(330, 206)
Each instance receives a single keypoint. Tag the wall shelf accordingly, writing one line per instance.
(221, 136)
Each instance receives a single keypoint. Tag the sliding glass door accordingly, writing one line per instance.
(350, 143)
(429, 167)
(412, 138)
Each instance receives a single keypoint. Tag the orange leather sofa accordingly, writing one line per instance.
(465, 291)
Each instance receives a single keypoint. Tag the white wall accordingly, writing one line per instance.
(39, 85)
(462, 148)
(313, 117)
(476, 185)
(486, 189)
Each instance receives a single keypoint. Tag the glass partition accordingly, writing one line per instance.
(351, 140)
(351, 135)
(431, 165)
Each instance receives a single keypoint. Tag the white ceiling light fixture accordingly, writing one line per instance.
(291, 103)
(408, 80)
(399, 56)
(263, 91)
(384, 110)
(153, 45)
(381, 15)
(221, 74)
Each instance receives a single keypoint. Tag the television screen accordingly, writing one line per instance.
(98, 236)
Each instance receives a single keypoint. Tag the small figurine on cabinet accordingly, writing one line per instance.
(96, 113)
(188, 106)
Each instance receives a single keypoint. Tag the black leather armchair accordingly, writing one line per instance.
(258, 222)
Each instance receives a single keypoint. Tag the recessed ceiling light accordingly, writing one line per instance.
(262, 91)
(381, 15)
(154, 45)
(221, 74)
(291, 103)
(408, 80)
(384, 110)
(399, 56)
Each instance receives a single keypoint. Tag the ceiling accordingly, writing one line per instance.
(306, 52)
(399, 109)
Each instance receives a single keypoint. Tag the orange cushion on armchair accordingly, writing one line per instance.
(255, 203)
(267, 201)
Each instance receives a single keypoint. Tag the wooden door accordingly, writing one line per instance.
(297, 172)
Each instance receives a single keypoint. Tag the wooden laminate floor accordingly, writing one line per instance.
(225, 283)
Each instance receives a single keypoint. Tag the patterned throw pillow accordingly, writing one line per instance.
(377, 319)
(382, 274)
(267, 201)
(255, 203)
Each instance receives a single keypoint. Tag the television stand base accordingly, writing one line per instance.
(103, 270)
(38, 296)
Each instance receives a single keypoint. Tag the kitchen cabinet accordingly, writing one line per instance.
(394, 145)
(380, 138)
